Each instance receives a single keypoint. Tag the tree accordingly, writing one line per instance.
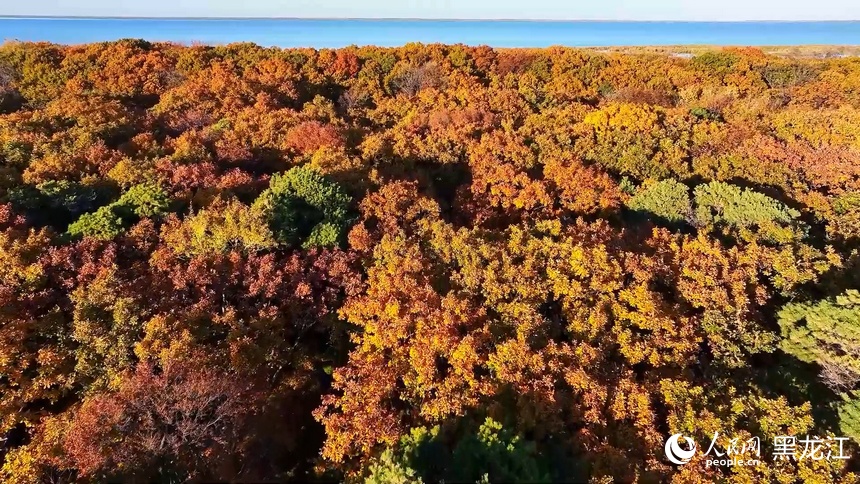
(218, 228)
(183, 422)
(667, 200)
(583, 189)
(64, 200)
(10, 98)
(633, 139)
(103, 224)
(145, 200)
(827, 333)
(34, 336)
(107, 322)
(492, 454)
(304, 208)
(307, 137)
(426, 263)
(412, 79)
(204, 97)
(745, 213)
(844, 220)
(849, 414)
(717, 63)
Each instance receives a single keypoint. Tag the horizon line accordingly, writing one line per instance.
(413, 19)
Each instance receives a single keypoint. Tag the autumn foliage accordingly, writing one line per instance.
(425, 263)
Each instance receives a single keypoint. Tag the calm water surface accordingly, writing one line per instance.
(339, 33)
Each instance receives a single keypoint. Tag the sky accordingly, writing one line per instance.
(717, 10)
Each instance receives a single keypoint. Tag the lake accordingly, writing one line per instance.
(339, 33)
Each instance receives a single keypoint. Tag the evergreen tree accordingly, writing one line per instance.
(828, 333)
(667, 199)
(304, 208)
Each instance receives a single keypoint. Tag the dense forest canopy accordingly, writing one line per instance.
(423, 263)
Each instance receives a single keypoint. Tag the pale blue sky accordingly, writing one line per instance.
(528, 9)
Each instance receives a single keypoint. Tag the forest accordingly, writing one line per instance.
(426, 263)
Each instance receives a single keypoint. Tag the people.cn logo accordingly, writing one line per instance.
(675, 453)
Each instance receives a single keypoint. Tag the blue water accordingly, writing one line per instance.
(339, 33)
